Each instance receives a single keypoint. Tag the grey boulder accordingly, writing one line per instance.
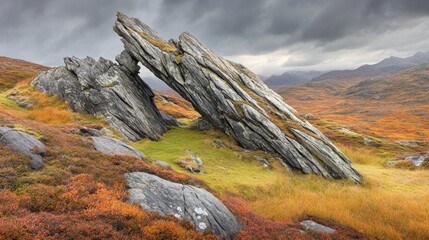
(233, 99)
(105, 89)
(113, 146)
(23, 143)
(317, 227)
(185, 202)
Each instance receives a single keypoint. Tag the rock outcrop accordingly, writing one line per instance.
(113, 146)
(234, 100)
(105, 89)
(201, 125)
(23, 143)
(186, 202)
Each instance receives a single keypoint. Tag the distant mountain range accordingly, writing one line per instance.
(291, 78)
(386, 66)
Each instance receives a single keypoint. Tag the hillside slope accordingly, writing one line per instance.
(80, 193)
(394, 106)
(407, 87)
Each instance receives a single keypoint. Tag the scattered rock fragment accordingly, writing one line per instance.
(201, 125)
(219, 143)
(413, 143)
(162, 164)
(314, 226)
(23, 143)
(263, 161)
(185, 202)
(308, 116)
(416, 160)
(113, 146)
(195, 158)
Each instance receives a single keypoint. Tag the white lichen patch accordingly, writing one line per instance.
(202, 225)
(201, 211)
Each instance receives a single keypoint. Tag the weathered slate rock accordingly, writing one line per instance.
(416, 160)
(113, 146)
(201, 125)
(234, 100)
(23, 143)
(105, 89)
(169, 120)
(317, 227)
(186, 202)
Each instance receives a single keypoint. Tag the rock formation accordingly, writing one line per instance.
(234, 100)
(23, 143)
(105, 89)
(186, 202)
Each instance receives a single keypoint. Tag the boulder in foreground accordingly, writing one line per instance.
(23, 143)
(185, 202)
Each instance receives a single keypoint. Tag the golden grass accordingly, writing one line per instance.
(49, 109)
(390, 204)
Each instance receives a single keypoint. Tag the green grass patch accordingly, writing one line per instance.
(225, 169)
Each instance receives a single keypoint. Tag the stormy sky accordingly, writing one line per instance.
(268, 36)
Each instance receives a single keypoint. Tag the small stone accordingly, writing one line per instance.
(219, 143)
(113, 146)
(201, 125)
(195, 158)
(314, 226)
(23, 143)
(308, 116)
(163, 164)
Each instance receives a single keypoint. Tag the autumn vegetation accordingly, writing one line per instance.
(81, 194)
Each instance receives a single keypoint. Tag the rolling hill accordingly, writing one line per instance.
(291, 78)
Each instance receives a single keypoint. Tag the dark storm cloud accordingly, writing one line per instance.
(312, 31)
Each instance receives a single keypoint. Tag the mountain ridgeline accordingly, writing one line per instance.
(387, 66)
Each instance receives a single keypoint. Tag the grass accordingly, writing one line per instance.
(390, 204)
(49, 109)
(225, 169)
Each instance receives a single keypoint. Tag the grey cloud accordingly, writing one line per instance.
(46, 30)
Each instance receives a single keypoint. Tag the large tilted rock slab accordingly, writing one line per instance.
(186, 202)
(234, 100)
(105, 89)
(23, 143)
